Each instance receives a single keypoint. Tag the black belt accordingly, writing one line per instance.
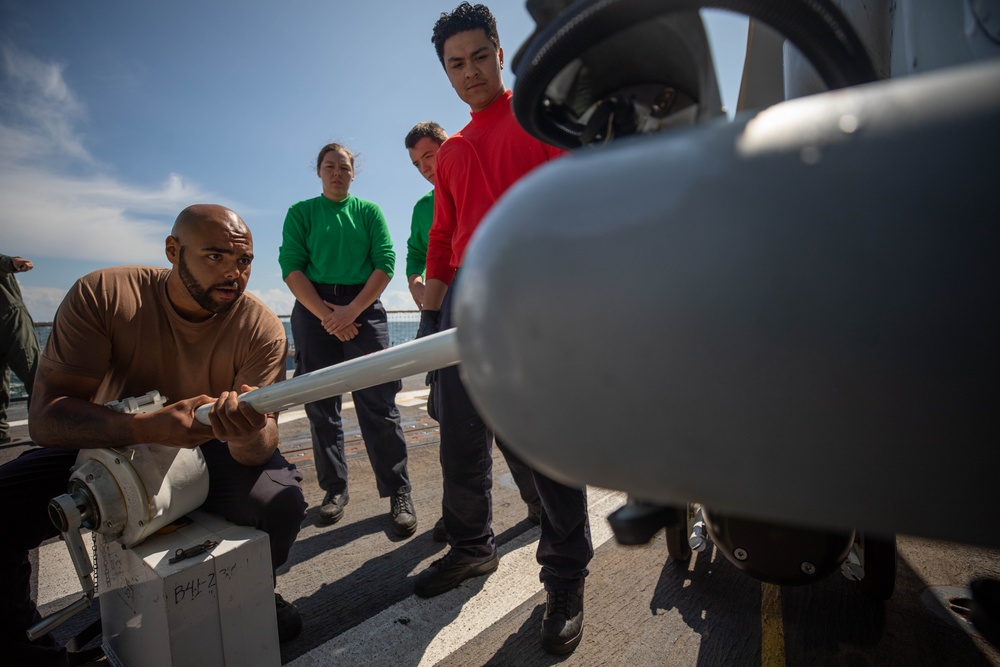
(339, 290)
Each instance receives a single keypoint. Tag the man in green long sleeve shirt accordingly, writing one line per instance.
(422, 142)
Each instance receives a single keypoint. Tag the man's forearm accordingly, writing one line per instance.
(415, 282)
(305, 293)
(374, 286)
(71, 423)
(434, 292)
(257, 449)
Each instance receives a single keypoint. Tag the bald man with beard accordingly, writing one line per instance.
(189, 332)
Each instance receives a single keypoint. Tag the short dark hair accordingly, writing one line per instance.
(428, 129)
(334, 147)
(465, 17)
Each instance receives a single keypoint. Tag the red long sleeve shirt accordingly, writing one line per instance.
(474, 168)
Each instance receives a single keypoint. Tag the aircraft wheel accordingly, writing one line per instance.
(678, 546)
(880, 567)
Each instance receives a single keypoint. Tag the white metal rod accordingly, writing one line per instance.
(417, 356)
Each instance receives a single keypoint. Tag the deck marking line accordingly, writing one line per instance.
(292, 415)
(437, 627)
(772, 629)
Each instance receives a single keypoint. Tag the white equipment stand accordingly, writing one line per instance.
(200, 594)
(215, 607)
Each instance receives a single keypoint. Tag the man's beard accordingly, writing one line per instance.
(200, 294)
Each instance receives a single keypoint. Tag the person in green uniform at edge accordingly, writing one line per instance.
(422, 142)
(336, 257)
(19, 348)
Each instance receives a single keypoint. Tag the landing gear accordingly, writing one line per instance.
(678, 536)
(778, 554)
(879, 561)
(872, 563)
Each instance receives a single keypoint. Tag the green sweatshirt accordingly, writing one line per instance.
(416, 246)
(333, 242)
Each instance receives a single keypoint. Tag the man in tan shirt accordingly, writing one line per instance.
(189, 332)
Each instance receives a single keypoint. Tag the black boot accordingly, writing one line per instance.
(562, 625)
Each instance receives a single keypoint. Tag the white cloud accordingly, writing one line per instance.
(58, 201)
(277, 299)
(42, 302)
(45, 107)
(398, 300)
(97, 219)
(47, 207)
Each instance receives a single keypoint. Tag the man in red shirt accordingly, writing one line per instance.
(474, 168)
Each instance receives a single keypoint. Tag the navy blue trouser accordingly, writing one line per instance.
(564, 548)
(378, 415)
(266, 497)
(523, 476)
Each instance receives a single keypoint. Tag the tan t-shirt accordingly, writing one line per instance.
(118, 325)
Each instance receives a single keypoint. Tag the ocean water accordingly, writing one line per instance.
(402, 328)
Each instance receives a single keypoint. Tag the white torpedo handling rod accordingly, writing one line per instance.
(417, 356)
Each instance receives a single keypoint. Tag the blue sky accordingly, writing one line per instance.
(116, 114)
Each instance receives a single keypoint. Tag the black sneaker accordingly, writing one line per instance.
(562, 625)
(447, 573)
(332, 509)
(404, 517)
(289, 619)
(439, 533)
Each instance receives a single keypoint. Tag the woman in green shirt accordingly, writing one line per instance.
(336, 257)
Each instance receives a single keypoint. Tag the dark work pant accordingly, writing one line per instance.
(267, 497)
(523, 476)
(19, 352)
(378, 415)
(564, 548)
